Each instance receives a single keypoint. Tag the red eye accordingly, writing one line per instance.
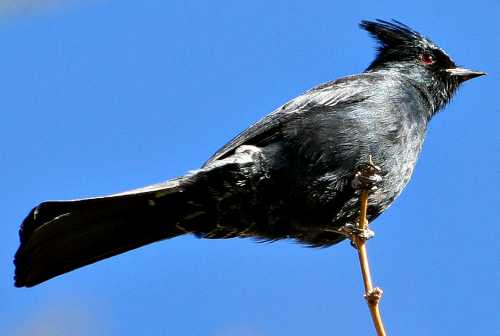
(427, 58)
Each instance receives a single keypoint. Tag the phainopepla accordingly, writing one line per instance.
(290, 175)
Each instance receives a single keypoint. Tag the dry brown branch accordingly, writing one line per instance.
(372, 295)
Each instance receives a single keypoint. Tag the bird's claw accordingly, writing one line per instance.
(352, 232)
(367, 177)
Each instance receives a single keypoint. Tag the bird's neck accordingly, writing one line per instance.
(436, 91)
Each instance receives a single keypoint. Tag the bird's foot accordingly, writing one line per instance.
(367, 177)
(353, 232)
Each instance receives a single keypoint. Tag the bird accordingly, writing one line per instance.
(290, 175)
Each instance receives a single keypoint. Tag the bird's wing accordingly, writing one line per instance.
(340, 92)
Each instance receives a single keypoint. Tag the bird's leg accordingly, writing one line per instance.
(367, 177)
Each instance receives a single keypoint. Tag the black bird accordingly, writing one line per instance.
(288, 176)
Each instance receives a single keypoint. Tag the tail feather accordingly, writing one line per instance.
(57, 237)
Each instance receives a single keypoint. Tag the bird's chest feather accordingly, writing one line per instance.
(332, 150)
(397, 159)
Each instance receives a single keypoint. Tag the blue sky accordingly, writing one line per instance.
(102, 96)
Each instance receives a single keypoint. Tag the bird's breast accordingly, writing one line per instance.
(397, 159)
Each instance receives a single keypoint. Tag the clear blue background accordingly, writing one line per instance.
(105, 95)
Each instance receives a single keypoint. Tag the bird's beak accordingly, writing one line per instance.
(465, 74)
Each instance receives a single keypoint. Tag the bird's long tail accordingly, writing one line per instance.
(57, 237)
(60, 236)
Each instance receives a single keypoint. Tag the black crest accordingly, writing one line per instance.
(395, 34)
(397, 41)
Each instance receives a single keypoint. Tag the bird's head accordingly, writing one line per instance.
(404, 50)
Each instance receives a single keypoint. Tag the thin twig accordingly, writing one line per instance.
(372, 295)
